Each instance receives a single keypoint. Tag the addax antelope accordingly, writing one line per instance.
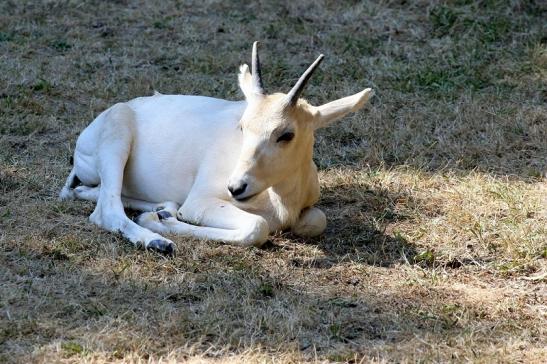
(232, 171)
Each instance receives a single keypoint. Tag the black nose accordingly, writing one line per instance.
(236, 191)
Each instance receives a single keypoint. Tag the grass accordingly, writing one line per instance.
(435, 194)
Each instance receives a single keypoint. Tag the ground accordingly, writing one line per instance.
(435, 193)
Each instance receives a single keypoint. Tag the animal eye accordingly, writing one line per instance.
(286, 137)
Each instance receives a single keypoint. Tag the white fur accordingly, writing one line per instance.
(179, 153)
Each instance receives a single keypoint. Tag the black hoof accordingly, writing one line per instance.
(162, 215)
(161, 246)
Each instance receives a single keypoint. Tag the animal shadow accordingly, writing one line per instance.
(360, 225)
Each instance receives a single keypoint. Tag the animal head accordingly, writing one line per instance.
(278, 129)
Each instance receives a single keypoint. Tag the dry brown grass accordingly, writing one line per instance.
(436, 194)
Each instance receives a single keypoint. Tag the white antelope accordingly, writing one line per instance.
(232, 171)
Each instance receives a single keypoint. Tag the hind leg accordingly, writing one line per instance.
(92, 194)
(113, 147)
(67, 192)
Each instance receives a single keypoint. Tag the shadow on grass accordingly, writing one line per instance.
(60, 310)
(358, 226)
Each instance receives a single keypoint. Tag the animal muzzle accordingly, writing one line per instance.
(237, 189)
(244, 187)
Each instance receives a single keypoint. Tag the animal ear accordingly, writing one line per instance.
(337, 109)
(246, 81)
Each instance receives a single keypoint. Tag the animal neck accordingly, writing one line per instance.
(296, 192)
(292, 187)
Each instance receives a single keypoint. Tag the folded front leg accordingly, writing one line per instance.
(211, 219)
(312, 222)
